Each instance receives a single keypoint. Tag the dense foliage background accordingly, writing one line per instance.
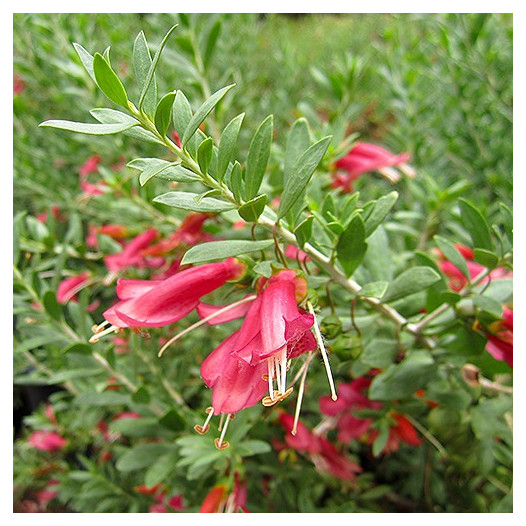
(107, 427)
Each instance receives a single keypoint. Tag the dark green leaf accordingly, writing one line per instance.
(476, 225)
(303, 231)
(203, 111)
(351, 246)
(486, 258)
(108, 81)
(227, 145)
(219, 250)
(148, 79)
(301, 174)
(204, 154)
(163, 113)
(187, 201)
(51, 305)
(236, 181)
(381, 209)
(410, 281)
(88, 128)
(141, 396)
(142, 62)
(172, 420)
(257, 158)
(251, 210)
(452, 254)
(402, 380)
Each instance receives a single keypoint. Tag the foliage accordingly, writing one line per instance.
(241, 123)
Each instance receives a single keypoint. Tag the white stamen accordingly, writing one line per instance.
(209, 417)
(223, 432)
(270, 363)
(321, 345)
(277, 374)
(95, 338)
(220, 426)
(283, 369)
(202, 322)
(300, 393)
(98, 328)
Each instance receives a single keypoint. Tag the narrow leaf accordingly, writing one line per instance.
(187, 201)
(142, 62)
(476, 225)
(204, 154)
(210, 43)
(87, 60)
(410, 281)
(163, 113)
(219, 250)
(88, 128)
(303, 231)
(257, 159)
(108, 81)
(381, 209)
(452, 254)
(227, 145)
(351, 246)
(301, 175)
(298, 141)
(203, 111)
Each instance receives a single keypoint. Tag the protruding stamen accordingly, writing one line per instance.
(270, 381)
(95, 338)
(277, 373)
(220, 442)
(283, 369)
(269, 402)
(321, 345)
(98, 328)
(220, 426)
(205, 427)
(300, 394)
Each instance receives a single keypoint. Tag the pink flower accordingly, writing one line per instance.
(500, 338)
(323, 454)
(55, 212)
(19, 85)
(296, 253)
(46, 495)
(90, 166)
(93, 189)
(365, 157)
(156, 303)
(274, 331)
(46, 441)
(68, 288)
(402, 431)
(131, 255)
(220, 500)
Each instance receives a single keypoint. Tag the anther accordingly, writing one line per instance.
(205, 427)
(95, 338)
(220, 443)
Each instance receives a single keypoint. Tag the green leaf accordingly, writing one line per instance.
(476, 225)
(142, 62)
(303, 231)
(236, 181)
(487, 304)
(160, 470)
(251, 210)
(227, 145)
(374, 289)
(298, 141)
(381, 209)
(141, 396)
(219, 250)
(108, 81)
(257, 158)
(88, 128)
(301, 174)
(452, 254)
(204, 154)
(203, 111)
(163, 113)
(169, 171)
(142, 456)
(401, 380)
(172, 420)
(351, 246)
(187, 201)
(52, 306)
(210, 42)
(410, 281)
(381, 440)
(148, 79)
(248, 448)
(78, 348)
(486, 258)
(87, 60)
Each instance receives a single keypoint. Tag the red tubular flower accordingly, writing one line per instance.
(19, 85)
(365, 157)
(219, 500)
(157, 303)
(90, 166)
(324, 455)
(132, 253)
(212, 502)
(69, 287)
(500, 338)
(273, 331)
(46, 441)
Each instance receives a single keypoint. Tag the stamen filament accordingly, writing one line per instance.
(321, 345)
(283, 369)
(300, 393)
(219, 443)
(95, 338)
(270, 381)
(277, 374)
(203, 321)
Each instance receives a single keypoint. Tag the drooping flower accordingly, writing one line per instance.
(500, 337)
(220, 500)
(91, 165)
(46, 441)
(322, 453)
(366, 157)
(132, 256)
(402, 431)
(156, 303)
(68, 288)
